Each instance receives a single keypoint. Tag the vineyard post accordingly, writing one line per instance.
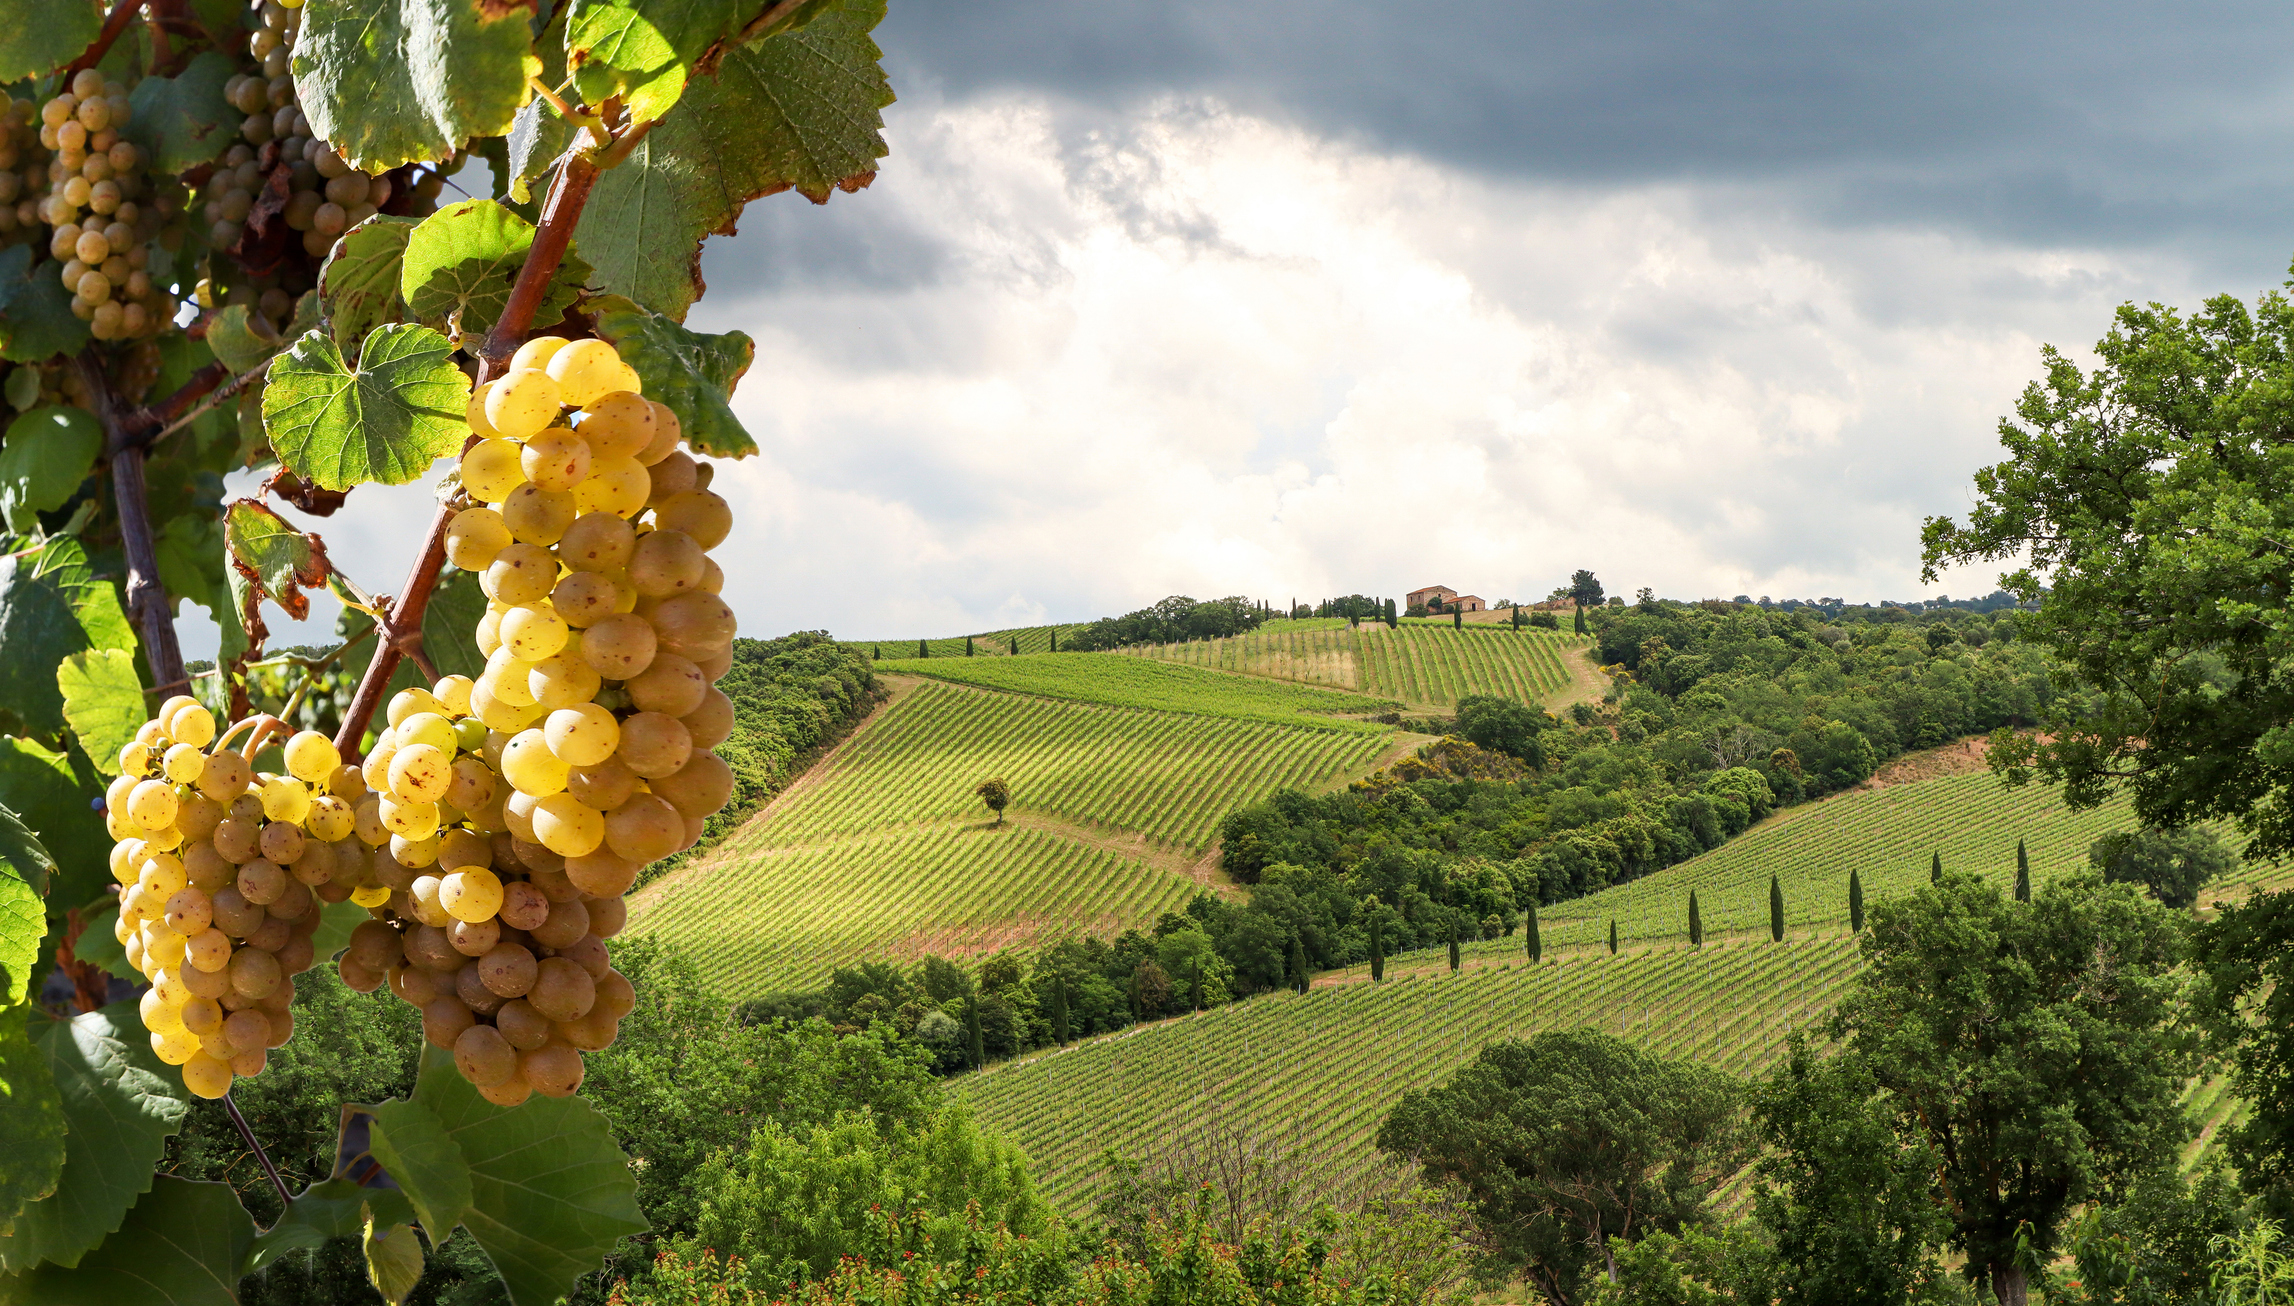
(401, 618)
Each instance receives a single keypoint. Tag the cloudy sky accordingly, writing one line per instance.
(1305, 297)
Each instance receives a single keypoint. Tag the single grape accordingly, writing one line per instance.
(183, 763)
(583, 735)
(698, 513)
(522, 403)
(152, 805)
(617, 425)
(553, 1069)
(670, 685)
(666, 562)
(475, 536)
(670, 477)
(654, 745)
(644, 829)
(473, 893)
(421, 773)
(619, 647)
(562, 680)
(534, 515)
(619, 486)
(562, 989)
(413, 819)
(536, 352)
(584, 598)
(712, 722)
(566, 826)
(491, 469)
(531, 632)
(453, 695)
(695, 624)
(556, 459)
(311, 756)
(586, 370)
(520, 573)
(484, 1057)
(598, 542)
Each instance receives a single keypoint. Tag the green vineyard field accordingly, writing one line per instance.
(1320, 1070)
(1159, 686)
(1423, 665)
(1160, 774)
(786, 917)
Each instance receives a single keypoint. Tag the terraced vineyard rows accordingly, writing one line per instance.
(1321, 1069)
(1424, 665)
(784, 918)
(1167, 776)
(1161, 686)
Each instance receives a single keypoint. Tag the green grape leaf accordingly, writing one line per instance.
(52, 605)
(36, 321)
(359, 284)
(461, 262)
(103, 702)
(37, 40)
(280, 560)
(49, 452)
(51, 791)
(388, 82)
(101, 948)
(219, 16)
(183, 121)
(536, 141)
(802, 110)
(232, 335)
(645, 53)
(118, 1114)
(181, 1245)
(331, 1208)
(415, 1147)
(388, 421)
(393, 1260)
(550, 1194)
(31, 1111)
(336, 921)
(190, 549)
(692, 372)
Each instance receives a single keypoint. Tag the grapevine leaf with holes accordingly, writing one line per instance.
(799, 111)
(460, 263)
(398, 412)
(388, 82)
(282, 561)
(691, 371)
(183, 121)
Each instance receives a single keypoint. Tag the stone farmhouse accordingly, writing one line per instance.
(1441, 598)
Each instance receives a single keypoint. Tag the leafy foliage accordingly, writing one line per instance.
(52, 605)
(49, 452)
(388, 82)
(692, 372)
(459, 264)
(103, 702)
(387, 421)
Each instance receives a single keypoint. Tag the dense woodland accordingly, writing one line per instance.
(1172, 621)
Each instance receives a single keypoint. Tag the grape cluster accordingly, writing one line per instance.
(97, 210)
(222, 871)
(23, 171)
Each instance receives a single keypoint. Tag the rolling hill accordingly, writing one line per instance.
(1423, 665)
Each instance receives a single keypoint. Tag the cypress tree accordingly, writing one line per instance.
(972, 1027)
(1581, 627)
(2022, 873)
(1055, 639)
(1377, 948)
(1535, 942)
(1297, 965)
(1612, 936)
(922, 650)
(1855, 901)
(1775, 910)
(1935, 868)
(967, 646)
(1696, 922)
(876, 653)
(1059, 1011)
(1453, 943)
(1516, 616)
(1458, 618)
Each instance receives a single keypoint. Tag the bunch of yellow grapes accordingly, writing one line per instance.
(223, 871)
(98, 211)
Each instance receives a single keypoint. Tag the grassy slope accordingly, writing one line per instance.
(1424, 665)
(1160, 686)
(883, 850)
(1322, 1069)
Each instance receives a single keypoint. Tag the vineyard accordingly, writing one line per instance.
(1318, 1071)
(1425, 665)
(897, 895)
(881, 850)
(1159, 686)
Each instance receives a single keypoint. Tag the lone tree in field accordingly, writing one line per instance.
(923, 650)
(1612, 936)
(1775, 911)
(967, 646)
(1696, 922)
(1936, 868)
(1584, 588)
(1296, 964)
(1531, 938)
(1377, 942)
(2022, 873)
(1855, 901)
(997, 795)
(1453, 943)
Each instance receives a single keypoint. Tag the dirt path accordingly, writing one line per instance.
(1586, 683)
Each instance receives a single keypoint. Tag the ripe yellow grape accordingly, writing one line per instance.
(536, 352)
(699, 513)
(152, 805)
(453, 694)
(475, 413)
(506, 679)
(225, 776)
(672, 686)
(489, 632)
(332, 819)
(206, 1075)
(475, 536)
(473, 894)
(533, 515)
(619, 486)
(654, 745)
(420, 773)
(408, 702)
(531, 632)
(567, 827)
(562, 680)
(696, 623)
(582, 735)
(619, 647)
(191, 724)
(644, 829)
(556, 459)
(530, 766)
(490, 470)
(586, 370)
(415, 820)
(523, 402)
(521, 573)
(598, 542)
(584, 598)
(499, 715)
(183, 764)
(425, 726)
(672, 476)
(617, 425)
(311, 756)
(666, 562)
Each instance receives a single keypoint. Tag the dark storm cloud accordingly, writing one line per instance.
(2113, 123)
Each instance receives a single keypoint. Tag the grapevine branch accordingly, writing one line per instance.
(286, 1199)
(115, 23)
(146, 598)
(401, 620)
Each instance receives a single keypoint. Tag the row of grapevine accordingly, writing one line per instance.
(1163, 775)
(1160, 686)
(784, 918)
(1320, 1070)
(1425, 665)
